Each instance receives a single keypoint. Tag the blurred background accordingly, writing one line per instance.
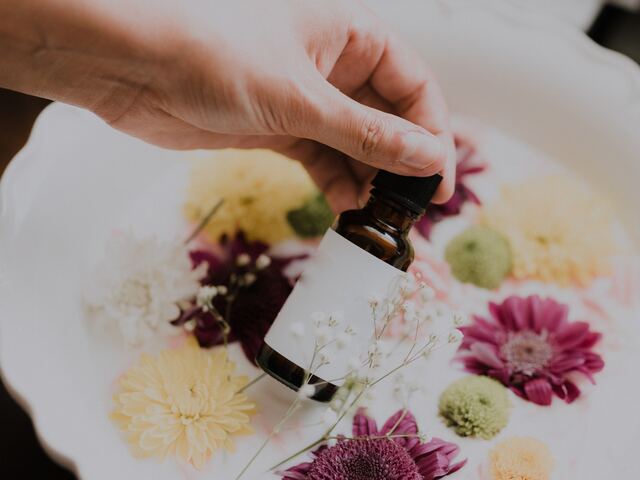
(615, 25)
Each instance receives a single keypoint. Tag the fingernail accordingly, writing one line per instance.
(422, 150)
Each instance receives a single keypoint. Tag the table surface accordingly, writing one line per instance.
(20, 452)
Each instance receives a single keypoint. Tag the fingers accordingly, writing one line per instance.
(371, 136)
(402, 79)
(330, 171)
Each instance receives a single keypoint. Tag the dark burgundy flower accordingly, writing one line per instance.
(530, 346)
(469, 163)
(371, 456)
(249, 310)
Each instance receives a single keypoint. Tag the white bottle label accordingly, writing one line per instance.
(339, 282)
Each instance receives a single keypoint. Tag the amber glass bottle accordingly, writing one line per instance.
(380, 228)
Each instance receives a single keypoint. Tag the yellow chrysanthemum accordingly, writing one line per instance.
(521, 458)
(259, 187)
(182, 402)
(558, 229)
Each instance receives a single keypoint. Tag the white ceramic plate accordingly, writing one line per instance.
(77, 180)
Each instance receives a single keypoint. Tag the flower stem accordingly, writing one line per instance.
(203, 223)
(252, 382)
(274, 431)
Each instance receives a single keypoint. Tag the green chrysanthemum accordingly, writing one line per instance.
(481, 256)
(475, 406)
(312, 219)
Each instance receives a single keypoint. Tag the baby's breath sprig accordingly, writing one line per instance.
(364, 372)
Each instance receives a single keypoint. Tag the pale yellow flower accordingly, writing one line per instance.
(183, 402)
(559, 230)
(521, 458)
(259, 187)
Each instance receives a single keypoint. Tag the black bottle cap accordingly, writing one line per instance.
(415, 193)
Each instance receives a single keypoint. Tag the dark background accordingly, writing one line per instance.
(20, 453)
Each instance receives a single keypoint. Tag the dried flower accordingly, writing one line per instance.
(559, 231)
(395, 452)
(469, 163)
(183, 402)
(479, 255)
(475, 407)
(250, 303)
(521, 458)
(259, 187)
(530, 346)
(139, 285)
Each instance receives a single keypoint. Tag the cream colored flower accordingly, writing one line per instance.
(558, 229)
(521, 458)
(259, 187)
(183, 402)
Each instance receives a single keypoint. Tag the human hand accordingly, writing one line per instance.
(322, 82)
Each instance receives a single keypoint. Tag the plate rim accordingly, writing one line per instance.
(501, 11)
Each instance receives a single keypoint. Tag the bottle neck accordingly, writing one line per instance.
(390, 212)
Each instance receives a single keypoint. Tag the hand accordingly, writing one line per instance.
(323, 82)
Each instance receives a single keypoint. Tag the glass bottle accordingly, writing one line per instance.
(380, 228)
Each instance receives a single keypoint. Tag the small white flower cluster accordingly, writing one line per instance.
(329, 331)
(140, 284)
(248, 277)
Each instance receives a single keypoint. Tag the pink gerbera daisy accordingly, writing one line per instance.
(395, 452)
(530, 346)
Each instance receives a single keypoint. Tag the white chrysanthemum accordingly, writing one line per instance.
(139, 284)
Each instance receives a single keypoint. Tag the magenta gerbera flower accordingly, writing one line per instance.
(530, 346)
(249, 310)
(469, 163)
(371, 455)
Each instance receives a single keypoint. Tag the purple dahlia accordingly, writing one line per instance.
(249, 310)
(469, 163)
(370, 455)
(530, 346)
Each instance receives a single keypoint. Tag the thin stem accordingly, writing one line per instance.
(252, 382)
(274, 431)
(299, 452)
(324, 437)
(203, 223)
(395, 425)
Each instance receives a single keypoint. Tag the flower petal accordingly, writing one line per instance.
(538, 391)
(487, 354)
(400, 423)
(363, 425)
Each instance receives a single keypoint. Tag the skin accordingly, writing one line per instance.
(324, 82)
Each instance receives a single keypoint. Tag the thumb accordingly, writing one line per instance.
(374, 137)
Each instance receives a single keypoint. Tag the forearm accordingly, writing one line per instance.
(87, 53)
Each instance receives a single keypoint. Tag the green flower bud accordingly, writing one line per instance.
(481, 256)
(312, 219)
(475, 406)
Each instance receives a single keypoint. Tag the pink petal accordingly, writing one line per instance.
(299, 472)
(590, 340)
(487, 354)
(573, 391)
(566, 363)
(593, 362)
(517, 310)
(571, 335)
(400, 423)
(363, 425)
(552, 314)
(538, 391)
